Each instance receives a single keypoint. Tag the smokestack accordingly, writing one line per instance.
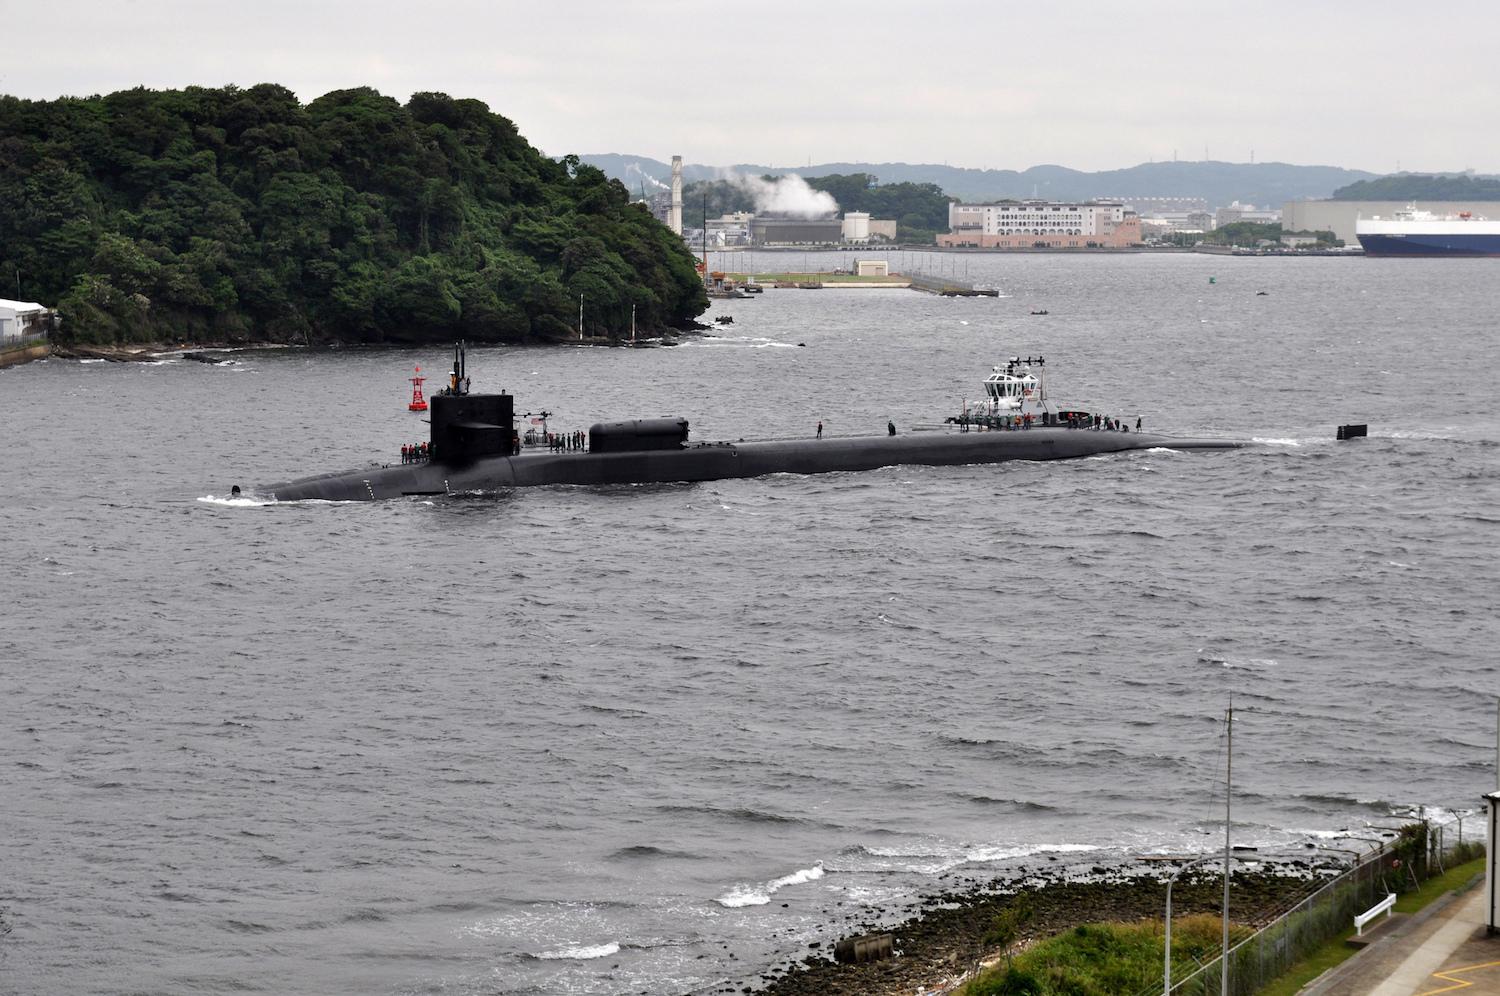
(674, 217)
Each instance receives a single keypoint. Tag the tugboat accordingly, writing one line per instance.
(1015, 397)
(475, 447)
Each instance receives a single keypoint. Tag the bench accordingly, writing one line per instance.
(1384, 906)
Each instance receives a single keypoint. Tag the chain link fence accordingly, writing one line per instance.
(1419, 852)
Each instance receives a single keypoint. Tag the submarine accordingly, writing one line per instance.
(474, 446)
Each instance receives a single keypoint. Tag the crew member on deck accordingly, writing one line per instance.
(890, 428)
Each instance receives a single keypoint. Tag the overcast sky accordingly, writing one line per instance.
(1092, 85)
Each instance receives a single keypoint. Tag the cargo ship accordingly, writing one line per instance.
(1422, 233)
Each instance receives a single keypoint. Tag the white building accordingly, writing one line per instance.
(1024, 224)
(18, 317)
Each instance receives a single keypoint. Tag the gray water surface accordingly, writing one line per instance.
(600, 740)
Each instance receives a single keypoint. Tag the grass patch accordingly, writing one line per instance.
(1106, 959)
(1334, 951)
(1433, 888)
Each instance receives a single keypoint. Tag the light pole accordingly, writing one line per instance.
(1166, 988)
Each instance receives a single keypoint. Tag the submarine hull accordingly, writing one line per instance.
(720, 461)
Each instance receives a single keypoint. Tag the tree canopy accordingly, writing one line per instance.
(243, 214)
(1420, 187)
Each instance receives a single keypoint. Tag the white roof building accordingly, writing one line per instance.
(15, 316)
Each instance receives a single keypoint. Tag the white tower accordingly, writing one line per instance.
(674, 218)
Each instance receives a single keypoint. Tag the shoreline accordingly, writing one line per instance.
(939, 938)
(148, 352)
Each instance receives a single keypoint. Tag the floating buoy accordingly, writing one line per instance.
(418, 403)
(1211, 280)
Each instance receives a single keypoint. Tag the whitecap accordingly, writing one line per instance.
(238, 501)
(760, 895)
(1238, 663)
(995, 852)
(582, 952)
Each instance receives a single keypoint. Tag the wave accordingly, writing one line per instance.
(996, 852)
(936, 860)
(760, 895)
(1238, 663)
(648, 851)
(1275, 441)
(741, 813)
(580, 953)
(1025, 805)
(237, 502)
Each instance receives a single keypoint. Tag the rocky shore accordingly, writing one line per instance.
(142, 352)
(944, 938)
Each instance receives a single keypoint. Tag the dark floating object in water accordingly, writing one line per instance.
(1044, 311)
(1262, 294)
(1353, 431)
(475, 446)
(725, 319)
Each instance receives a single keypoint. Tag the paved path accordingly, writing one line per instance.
(1442, 950)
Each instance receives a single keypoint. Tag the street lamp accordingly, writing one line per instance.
(1167, 939)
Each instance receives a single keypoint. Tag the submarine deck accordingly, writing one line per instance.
(709, 461)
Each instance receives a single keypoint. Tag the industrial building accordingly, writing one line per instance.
(1042, 225)
(796, 231)
(1245, 212)
(732, 229)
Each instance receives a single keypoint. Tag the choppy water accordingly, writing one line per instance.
(652, 739)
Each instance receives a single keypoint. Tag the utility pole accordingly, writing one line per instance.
(580, 317)
(1228, 792)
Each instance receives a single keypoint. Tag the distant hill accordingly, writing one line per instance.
(1266, 184)
(1422, 187)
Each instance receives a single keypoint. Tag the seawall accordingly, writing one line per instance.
(25, 352)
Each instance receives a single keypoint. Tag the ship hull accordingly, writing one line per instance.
(721, 461)
(1430, 245)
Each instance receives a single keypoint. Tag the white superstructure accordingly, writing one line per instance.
(1412, 221)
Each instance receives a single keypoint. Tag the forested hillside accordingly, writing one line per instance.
(1422, 187)
(242, 214)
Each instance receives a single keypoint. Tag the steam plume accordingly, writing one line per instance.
(787, 195)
